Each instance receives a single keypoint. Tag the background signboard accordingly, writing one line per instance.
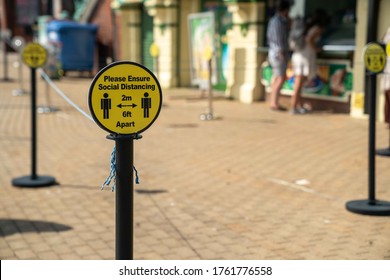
(201, 36)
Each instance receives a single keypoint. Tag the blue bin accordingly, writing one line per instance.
(77, 43)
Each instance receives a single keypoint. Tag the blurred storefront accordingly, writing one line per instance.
(241, 50)
(239, 25)
(131, 29)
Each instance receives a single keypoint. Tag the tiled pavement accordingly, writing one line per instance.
(222, 189)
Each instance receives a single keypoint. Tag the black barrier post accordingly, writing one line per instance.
(124, 212)
(370, 206)
(5, 62)
(33, 180)
(124, 208)
(33, 125)
(371, 139)
(372, 30)
(124, 114)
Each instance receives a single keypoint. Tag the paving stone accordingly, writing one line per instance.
(25, 254)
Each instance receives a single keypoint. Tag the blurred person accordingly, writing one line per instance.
(304, 58)
(278, 55)
(385, 82)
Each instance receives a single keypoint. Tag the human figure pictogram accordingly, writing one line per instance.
(105, 105)
(146, 104)
(34, 59)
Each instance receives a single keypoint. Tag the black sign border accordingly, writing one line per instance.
(97, 76)
(36, 44)
(364, 54)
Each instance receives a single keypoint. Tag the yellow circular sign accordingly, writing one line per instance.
(34, 55)
(374, 57)
(207, 53)
(125, 98)
(154, 50)
(388, 50)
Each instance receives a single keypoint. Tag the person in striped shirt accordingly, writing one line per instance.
(278, 54)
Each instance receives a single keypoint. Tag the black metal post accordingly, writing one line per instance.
(5, 62)
(5, 35)
(33, 125)
(33, 180)
(124, 199)
(371, 139)
(370, 206)
(124, 208)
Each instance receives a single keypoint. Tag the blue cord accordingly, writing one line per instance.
(136, 175)
(112, 174)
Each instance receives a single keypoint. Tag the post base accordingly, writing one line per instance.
(47, 109)
(209, 117)
(369, 207)
(383, 152)
(19, 92)
(30, 182)
(5, 79)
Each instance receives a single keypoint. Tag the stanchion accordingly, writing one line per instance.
(371, 206)
(34, 55)
(124, 110)
(124, 197)
(208, 55)
(209, 115)
(33, 180)
(5, 35)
